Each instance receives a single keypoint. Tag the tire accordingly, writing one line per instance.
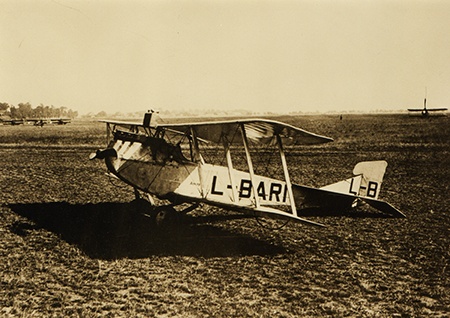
(165, 216)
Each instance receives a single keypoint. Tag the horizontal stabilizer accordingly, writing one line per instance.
(384, 207)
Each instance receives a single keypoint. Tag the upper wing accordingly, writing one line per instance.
(125, 124)
(257, 130)
(428, 109)
(436, 109)
(415, 109)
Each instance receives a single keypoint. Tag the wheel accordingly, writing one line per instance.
(165, 216)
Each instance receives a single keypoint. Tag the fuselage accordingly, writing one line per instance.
(157, 167)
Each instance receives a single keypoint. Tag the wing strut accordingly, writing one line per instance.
(199, 160)
(108, 133)
(226, 145)
(286, 175)
(250, 164)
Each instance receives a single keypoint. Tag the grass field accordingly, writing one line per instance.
(71, 245)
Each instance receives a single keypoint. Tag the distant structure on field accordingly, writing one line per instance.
(425, 112)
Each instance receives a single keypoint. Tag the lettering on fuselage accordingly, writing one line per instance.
(267, 190)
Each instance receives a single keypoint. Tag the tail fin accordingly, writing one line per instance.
(363, 187)
(366, 183)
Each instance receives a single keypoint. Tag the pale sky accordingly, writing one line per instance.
(257, 55)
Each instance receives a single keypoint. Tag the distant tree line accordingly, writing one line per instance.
(175, 113)
(25, 110)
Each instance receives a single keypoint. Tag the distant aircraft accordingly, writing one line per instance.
(60, 121)
(168, 161)
(36, 121)
(425, 112)
(13, 122)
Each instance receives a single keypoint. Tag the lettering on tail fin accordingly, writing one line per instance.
(371, 173)
(366, 182)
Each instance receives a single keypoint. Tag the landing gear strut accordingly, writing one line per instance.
(145, 205)
(163, 215)
(137, 196)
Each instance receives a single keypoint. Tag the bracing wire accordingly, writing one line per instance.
(258, 220)
(120, 185)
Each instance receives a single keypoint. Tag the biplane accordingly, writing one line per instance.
(13, 122)
(36, 121)
(425, 112)
(220, 163)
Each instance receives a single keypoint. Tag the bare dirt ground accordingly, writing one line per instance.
(71, 244)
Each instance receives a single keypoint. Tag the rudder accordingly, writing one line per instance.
(372, 173)
(368, 176)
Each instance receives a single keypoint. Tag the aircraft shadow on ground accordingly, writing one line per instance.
(114, 230)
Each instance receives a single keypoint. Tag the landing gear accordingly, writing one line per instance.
(142, 207)
(165, 215)
(148, 197)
